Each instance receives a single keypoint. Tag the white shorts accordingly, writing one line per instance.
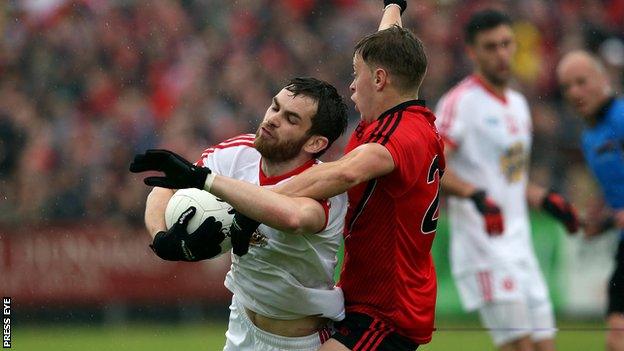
(243, 335)
(512, 300)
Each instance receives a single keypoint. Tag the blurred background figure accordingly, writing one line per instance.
(487, 130)
(86, 84)
(585, 84)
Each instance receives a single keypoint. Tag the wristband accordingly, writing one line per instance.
(402, 4)
(397, 5)
(209, 180)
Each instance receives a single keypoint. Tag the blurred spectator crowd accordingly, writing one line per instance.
(85, 84)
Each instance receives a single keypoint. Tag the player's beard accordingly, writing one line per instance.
(496, 78)
(279, 151)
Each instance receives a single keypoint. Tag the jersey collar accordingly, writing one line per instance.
(265, 180)
(488, 88)
(402, 106)
(604, 109)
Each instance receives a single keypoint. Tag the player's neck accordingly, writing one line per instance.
(276, 169)
(388, 101)
(601, 112)
(497, 89)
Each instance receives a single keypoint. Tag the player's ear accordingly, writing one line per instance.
(605, 82)
(470, 52)
(316, 143)
(380, 78)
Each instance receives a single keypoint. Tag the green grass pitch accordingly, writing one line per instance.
(464, 336)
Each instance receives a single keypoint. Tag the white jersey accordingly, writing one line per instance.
(492, 140)
(283, 276)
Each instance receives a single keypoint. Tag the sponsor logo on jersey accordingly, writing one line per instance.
(513, 162)
(491, 121)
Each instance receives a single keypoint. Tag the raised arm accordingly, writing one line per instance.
(323, 181)
(392, 14)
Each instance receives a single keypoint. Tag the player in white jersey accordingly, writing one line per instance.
(490, 138)
(487, 130)
(284, 293)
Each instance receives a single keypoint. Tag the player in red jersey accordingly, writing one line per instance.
(391, 170)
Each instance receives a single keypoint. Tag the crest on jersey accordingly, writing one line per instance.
(513, 162)
(259, 239)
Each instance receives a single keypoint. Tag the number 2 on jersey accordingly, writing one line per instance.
(430, 221)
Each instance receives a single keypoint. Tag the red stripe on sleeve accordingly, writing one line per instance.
(447, 114)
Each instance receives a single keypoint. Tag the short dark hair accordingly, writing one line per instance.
(484, 20)
(330, 119)
(399, 51)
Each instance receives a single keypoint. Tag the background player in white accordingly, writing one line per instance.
(487, 130)
(284, 293)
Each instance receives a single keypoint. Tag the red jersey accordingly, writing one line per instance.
(388, 272)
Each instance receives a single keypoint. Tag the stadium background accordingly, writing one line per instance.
(85, 84)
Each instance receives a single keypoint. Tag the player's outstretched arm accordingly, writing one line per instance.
(392, 14)
(155, 206)
(329, 179)
(293, 215)
(263, 205)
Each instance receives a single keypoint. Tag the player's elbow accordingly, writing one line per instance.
(293, 223)
(299, 221)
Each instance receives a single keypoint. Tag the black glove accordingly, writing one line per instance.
(241, 231)
(179, 173)
(562, 210)
(176, 244)
(490, 211)
(401, 3)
